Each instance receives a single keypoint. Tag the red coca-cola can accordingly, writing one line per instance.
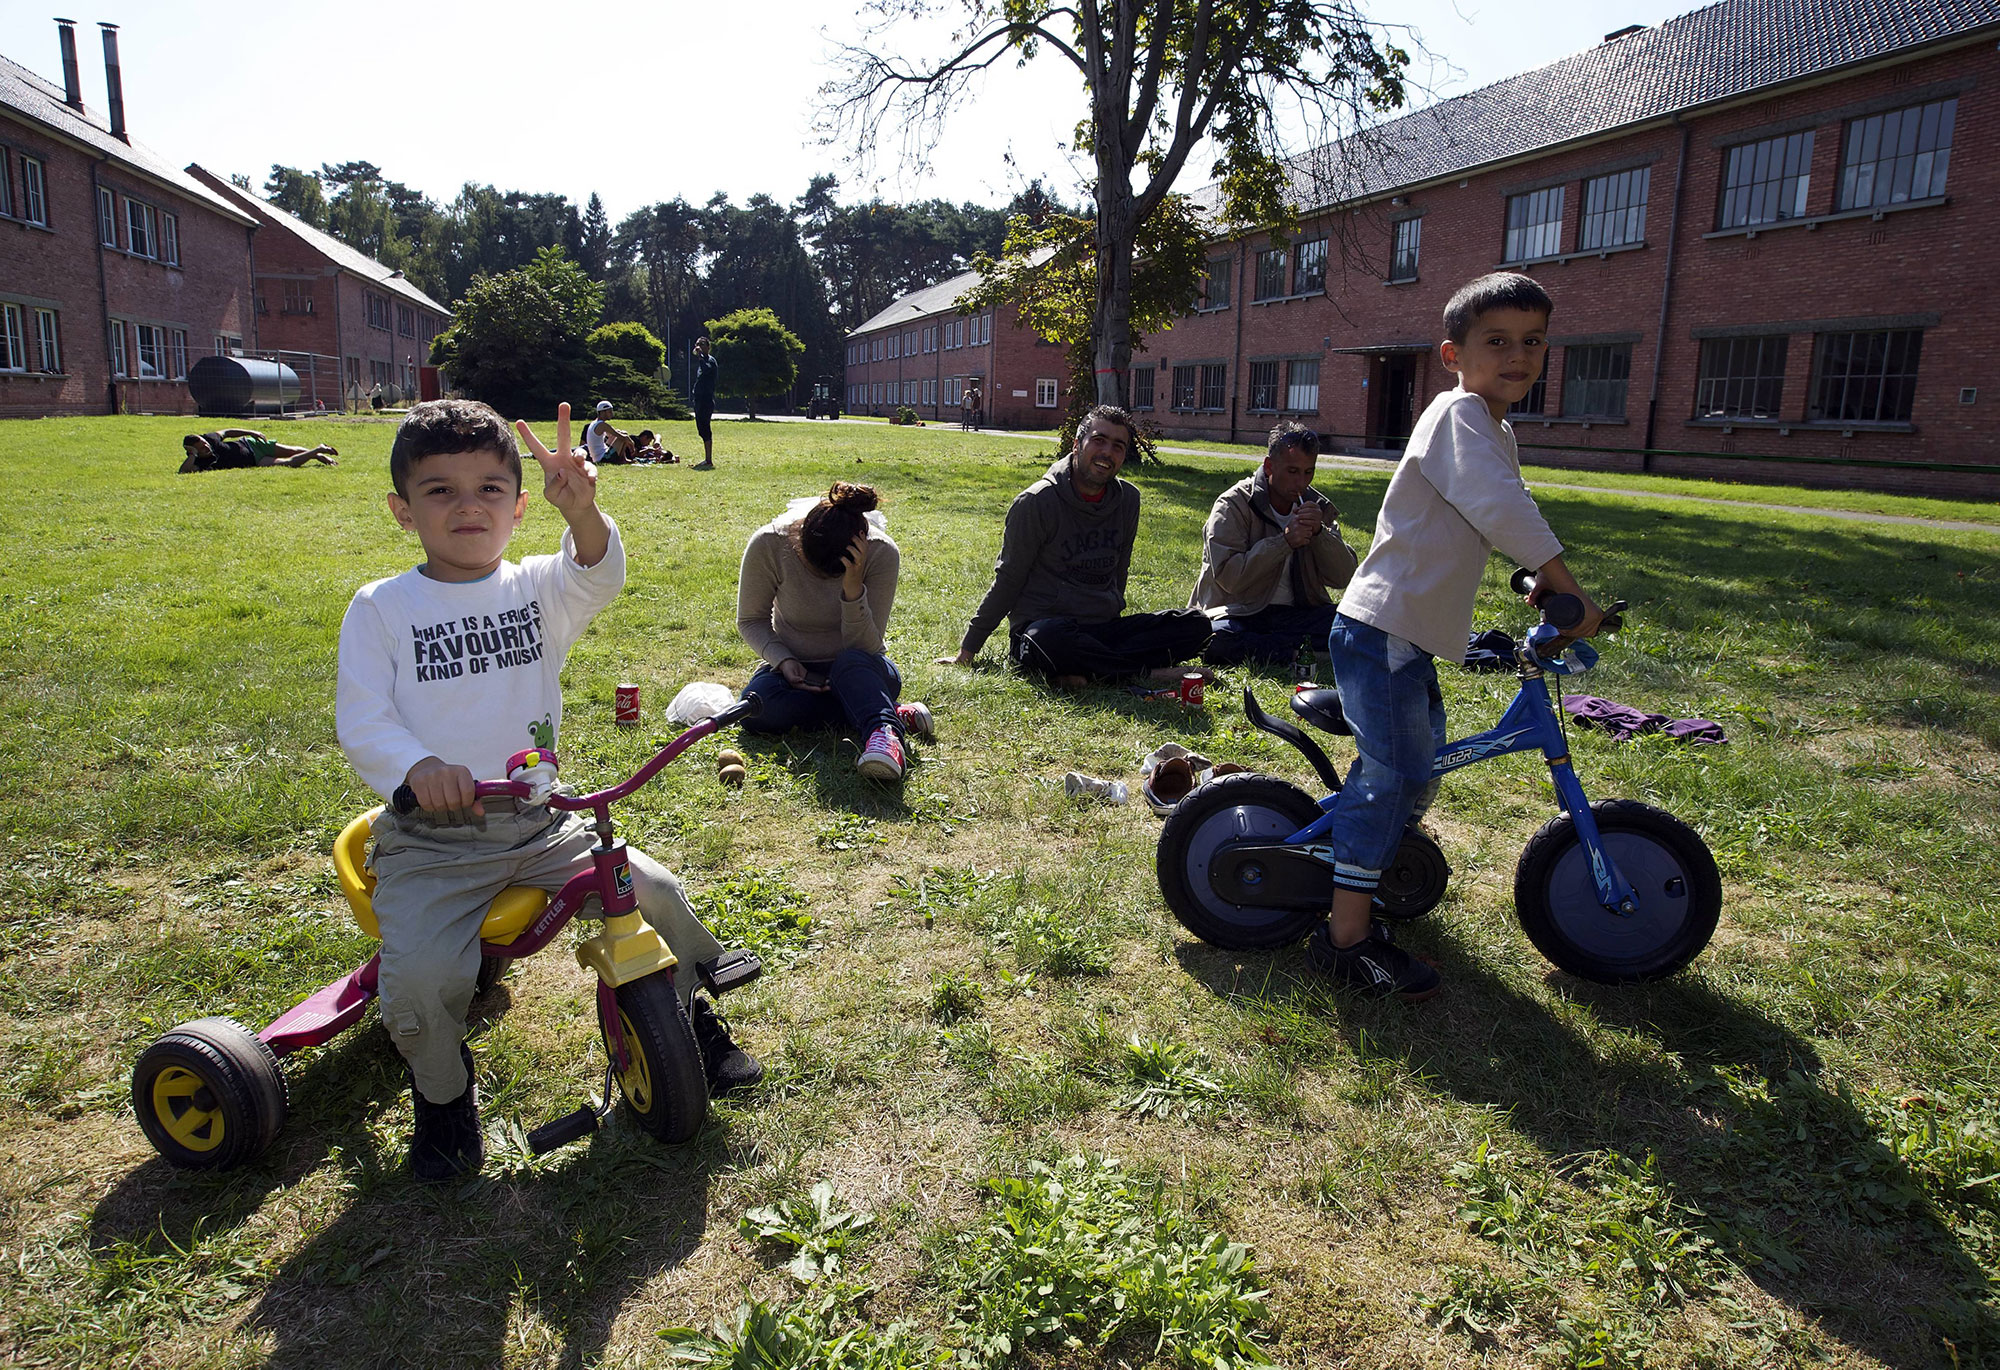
(1192, 684)
(625, 706)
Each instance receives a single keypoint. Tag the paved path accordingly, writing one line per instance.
(1378, 465)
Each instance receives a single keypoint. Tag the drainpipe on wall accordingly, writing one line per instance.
(1236, 362)
(340, 343)
(1666, 297)
(103, 284)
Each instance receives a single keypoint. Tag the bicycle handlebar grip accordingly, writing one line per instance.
(404, 800)
(1562, 611)
(1522, 581)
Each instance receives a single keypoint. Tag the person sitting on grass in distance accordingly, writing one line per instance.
(445, 671)
(1456, 494)
(1064, 560)
(604, 444)
(239, 448)
(813, 600)
(1268, 555)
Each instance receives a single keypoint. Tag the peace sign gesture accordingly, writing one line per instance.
(569, 482)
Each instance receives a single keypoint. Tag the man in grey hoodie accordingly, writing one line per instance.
(1064, 560)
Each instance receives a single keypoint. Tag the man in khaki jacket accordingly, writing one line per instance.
(1269, 554)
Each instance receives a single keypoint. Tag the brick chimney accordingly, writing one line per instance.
(114, 86)
(72, 81)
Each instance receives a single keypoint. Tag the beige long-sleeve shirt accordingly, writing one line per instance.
(1456, 495)
(784, 608)
(1246, 564)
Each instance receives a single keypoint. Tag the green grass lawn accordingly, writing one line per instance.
(1013, 1113)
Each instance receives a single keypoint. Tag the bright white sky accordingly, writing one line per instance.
(638, 100)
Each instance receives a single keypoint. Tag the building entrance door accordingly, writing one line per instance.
(1396, 399)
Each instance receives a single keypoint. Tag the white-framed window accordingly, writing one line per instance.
(229, 345)
(930, 392)
(152, 352)
(139, 229)
(170, 238)
(107, 217)
(1614, 208)
(895, 346)
(1766, 181)
(6, 183)
(117, 340)
(177, 355)
(49, 338)
(1408, 244)
(34, 196)
(1045, 393)
(13, 339)
(1302, 387)
(1534, 225)
(954, 391)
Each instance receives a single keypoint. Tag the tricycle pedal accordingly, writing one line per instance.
(562, 1131)
(730, 970)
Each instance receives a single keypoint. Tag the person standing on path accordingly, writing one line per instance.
(701, 394)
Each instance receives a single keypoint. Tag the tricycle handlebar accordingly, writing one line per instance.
(404, 800)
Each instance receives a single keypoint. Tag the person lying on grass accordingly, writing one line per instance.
(1456, 494)
(1064, 560)
(241, 448)
(813, 600)
(444, 670)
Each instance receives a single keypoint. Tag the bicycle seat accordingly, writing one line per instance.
(506, 917)
(1321, 708)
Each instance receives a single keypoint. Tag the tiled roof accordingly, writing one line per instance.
(1715, 53)
(330, 247)
(26, 94)
(932, 299)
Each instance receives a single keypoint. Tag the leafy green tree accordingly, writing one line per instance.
(298, 193)
(1161, 78)
(1049, 271)
(632, 341)
(757, 355)
(520, 338)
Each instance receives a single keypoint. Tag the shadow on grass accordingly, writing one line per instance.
(825, 762)
(409, 1273)
(1750, 1135)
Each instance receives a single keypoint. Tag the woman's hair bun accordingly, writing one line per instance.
(846, 495)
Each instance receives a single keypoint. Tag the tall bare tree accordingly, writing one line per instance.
(1163, 78)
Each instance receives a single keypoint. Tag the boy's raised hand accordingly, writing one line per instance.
(569, 482)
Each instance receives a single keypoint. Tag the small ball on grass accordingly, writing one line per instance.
(731, 776)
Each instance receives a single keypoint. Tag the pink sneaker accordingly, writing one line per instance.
(882, 758)
(916, 718)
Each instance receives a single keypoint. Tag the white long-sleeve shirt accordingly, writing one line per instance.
(1456, 495)
(468, 672)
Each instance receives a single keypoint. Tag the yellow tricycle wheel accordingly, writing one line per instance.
(209, 1094)
(665, 1087)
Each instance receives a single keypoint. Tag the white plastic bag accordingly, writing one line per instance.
(700, 700)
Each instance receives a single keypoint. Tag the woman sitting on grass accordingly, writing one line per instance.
(813, 600)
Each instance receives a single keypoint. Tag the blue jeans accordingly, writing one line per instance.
(1389, 690)
(1271, 635)
(862, 694)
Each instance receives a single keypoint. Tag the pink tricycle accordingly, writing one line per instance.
(209, 1093)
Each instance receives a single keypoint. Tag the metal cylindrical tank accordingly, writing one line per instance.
(233, 386)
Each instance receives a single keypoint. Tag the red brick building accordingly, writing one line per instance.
(116, 269)
(1759, 222)
(316, 295)
(923, 353)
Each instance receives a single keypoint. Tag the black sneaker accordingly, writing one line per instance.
(729, 1066)
(446, 1142)
(1373, 966)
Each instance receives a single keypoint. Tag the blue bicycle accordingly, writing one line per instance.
(1614, 891)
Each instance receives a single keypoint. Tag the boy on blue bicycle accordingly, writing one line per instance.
(1456, 495)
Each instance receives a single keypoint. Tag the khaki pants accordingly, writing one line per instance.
(434, 883)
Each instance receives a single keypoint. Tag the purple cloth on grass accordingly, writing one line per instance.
(1623, 721)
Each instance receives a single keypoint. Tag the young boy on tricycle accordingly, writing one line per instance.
(445, 670)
